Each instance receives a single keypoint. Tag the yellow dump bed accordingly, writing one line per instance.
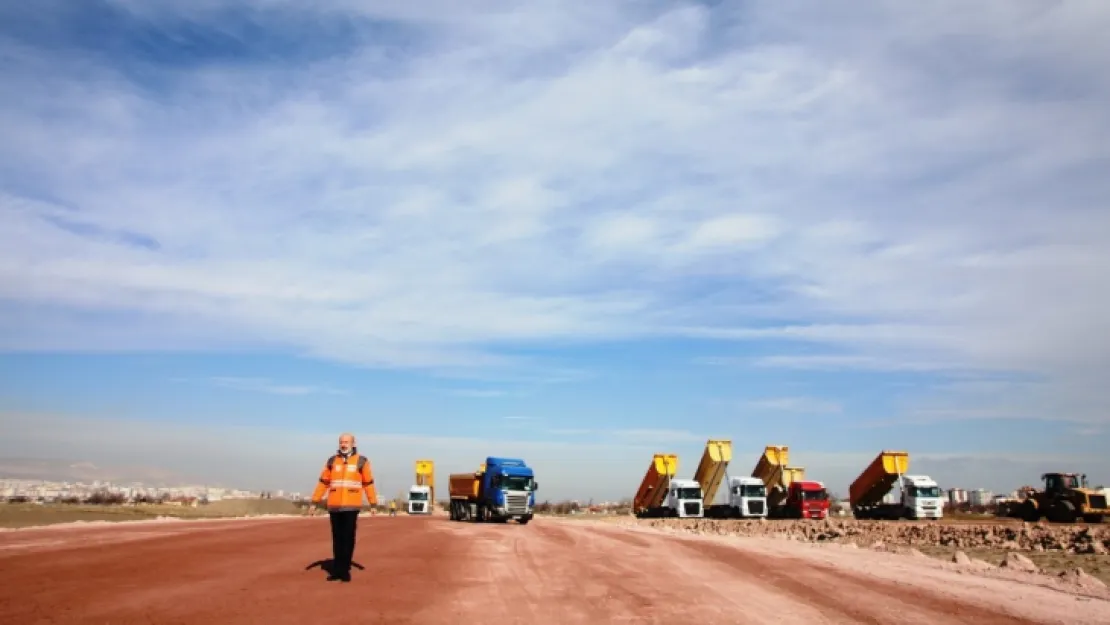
(426, 476)
(654, 486)
(711, 469)
(775, 473)
(878, 478)
(464, 485)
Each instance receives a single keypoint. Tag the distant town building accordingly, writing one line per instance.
(957, 496)
(47, 491)
(980, 497)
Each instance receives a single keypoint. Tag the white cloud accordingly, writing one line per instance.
(264, 385)
(918, 187)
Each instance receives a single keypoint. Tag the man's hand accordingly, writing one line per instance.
(311, 509)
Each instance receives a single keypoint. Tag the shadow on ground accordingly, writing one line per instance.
(326, 566)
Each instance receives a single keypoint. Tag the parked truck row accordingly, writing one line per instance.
(778, 490)
(504, 488)
(773, 489)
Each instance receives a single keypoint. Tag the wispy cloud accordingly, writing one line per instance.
(265, 385)
(656, 436)
(915, 187)
(796, 404)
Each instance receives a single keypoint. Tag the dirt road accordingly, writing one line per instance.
(421, 570)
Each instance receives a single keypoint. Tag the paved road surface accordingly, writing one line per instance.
(430, 570)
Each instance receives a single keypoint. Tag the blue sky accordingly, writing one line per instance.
(577, 234)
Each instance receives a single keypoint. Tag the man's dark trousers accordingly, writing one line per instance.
(344, 525)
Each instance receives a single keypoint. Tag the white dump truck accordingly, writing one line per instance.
(663, 495)
(419, 501)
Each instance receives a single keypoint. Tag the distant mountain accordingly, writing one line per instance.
(74, 470)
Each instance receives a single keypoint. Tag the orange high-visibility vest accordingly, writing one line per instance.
(345, 480)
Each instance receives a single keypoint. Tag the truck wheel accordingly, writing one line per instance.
(1093, 518)
(524, 520)
(1063, 512)
(1030, 513)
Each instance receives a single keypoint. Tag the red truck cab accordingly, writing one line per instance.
(807, 500)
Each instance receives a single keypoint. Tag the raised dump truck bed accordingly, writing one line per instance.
(789, 494)
(653, 488)
(918, 496)
(878, 478)
(712, 467)
(426, 476)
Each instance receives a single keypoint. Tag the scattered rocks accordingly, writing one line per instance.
(1012, 537)
(1018, 562)
(1080, 578)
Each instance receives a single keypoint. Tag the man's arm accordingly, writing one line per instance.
(322, 485)
(368, 484)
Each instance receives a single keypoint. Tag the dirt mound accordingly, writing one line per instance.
(1012, 537)
(1080, 578)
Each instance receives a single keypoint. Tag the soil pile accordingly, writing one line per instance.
(1035, 537)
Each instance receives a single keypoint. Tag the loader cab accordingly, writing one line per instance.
(1061, 482)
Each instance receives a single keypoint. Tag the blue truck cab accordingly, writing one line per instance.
(508, 489)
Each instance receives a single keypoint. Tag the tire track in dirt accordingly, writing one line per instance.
(911, 590)
(856, 599)
(924, 589)
(555, 572)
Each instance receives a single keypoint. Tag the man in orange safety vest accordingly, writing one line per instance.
(346, 476)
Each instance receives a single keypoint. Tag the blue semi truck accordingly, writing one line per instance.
(501, 489)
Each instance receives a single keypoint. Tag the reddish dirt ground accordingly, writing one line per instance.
(431, 570)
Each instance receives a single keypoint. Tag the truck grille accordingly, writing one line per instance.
(1098, 501)
(417, 507)
(691, 508)
(516, 504)
(755, 507)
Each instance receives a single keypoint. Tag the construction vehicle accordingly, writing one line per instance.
(917, 496)
(746, 495)
(661, 494)
(501, 489)
(422, 494)
(1065, 499)
(789, 494)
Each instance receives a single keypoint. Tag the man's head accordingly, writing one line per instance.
(346, 442)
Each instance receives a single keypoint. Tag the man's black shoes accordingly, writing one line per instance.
(342, 577)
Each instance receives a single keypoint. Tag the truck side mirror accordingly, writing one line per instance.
(535, 485)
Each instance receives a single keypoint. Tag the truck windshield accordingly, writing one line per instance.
(752, 491)
(516, 483)
(418, 496)
(925, 491)
(687, 493)
(815, 495)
